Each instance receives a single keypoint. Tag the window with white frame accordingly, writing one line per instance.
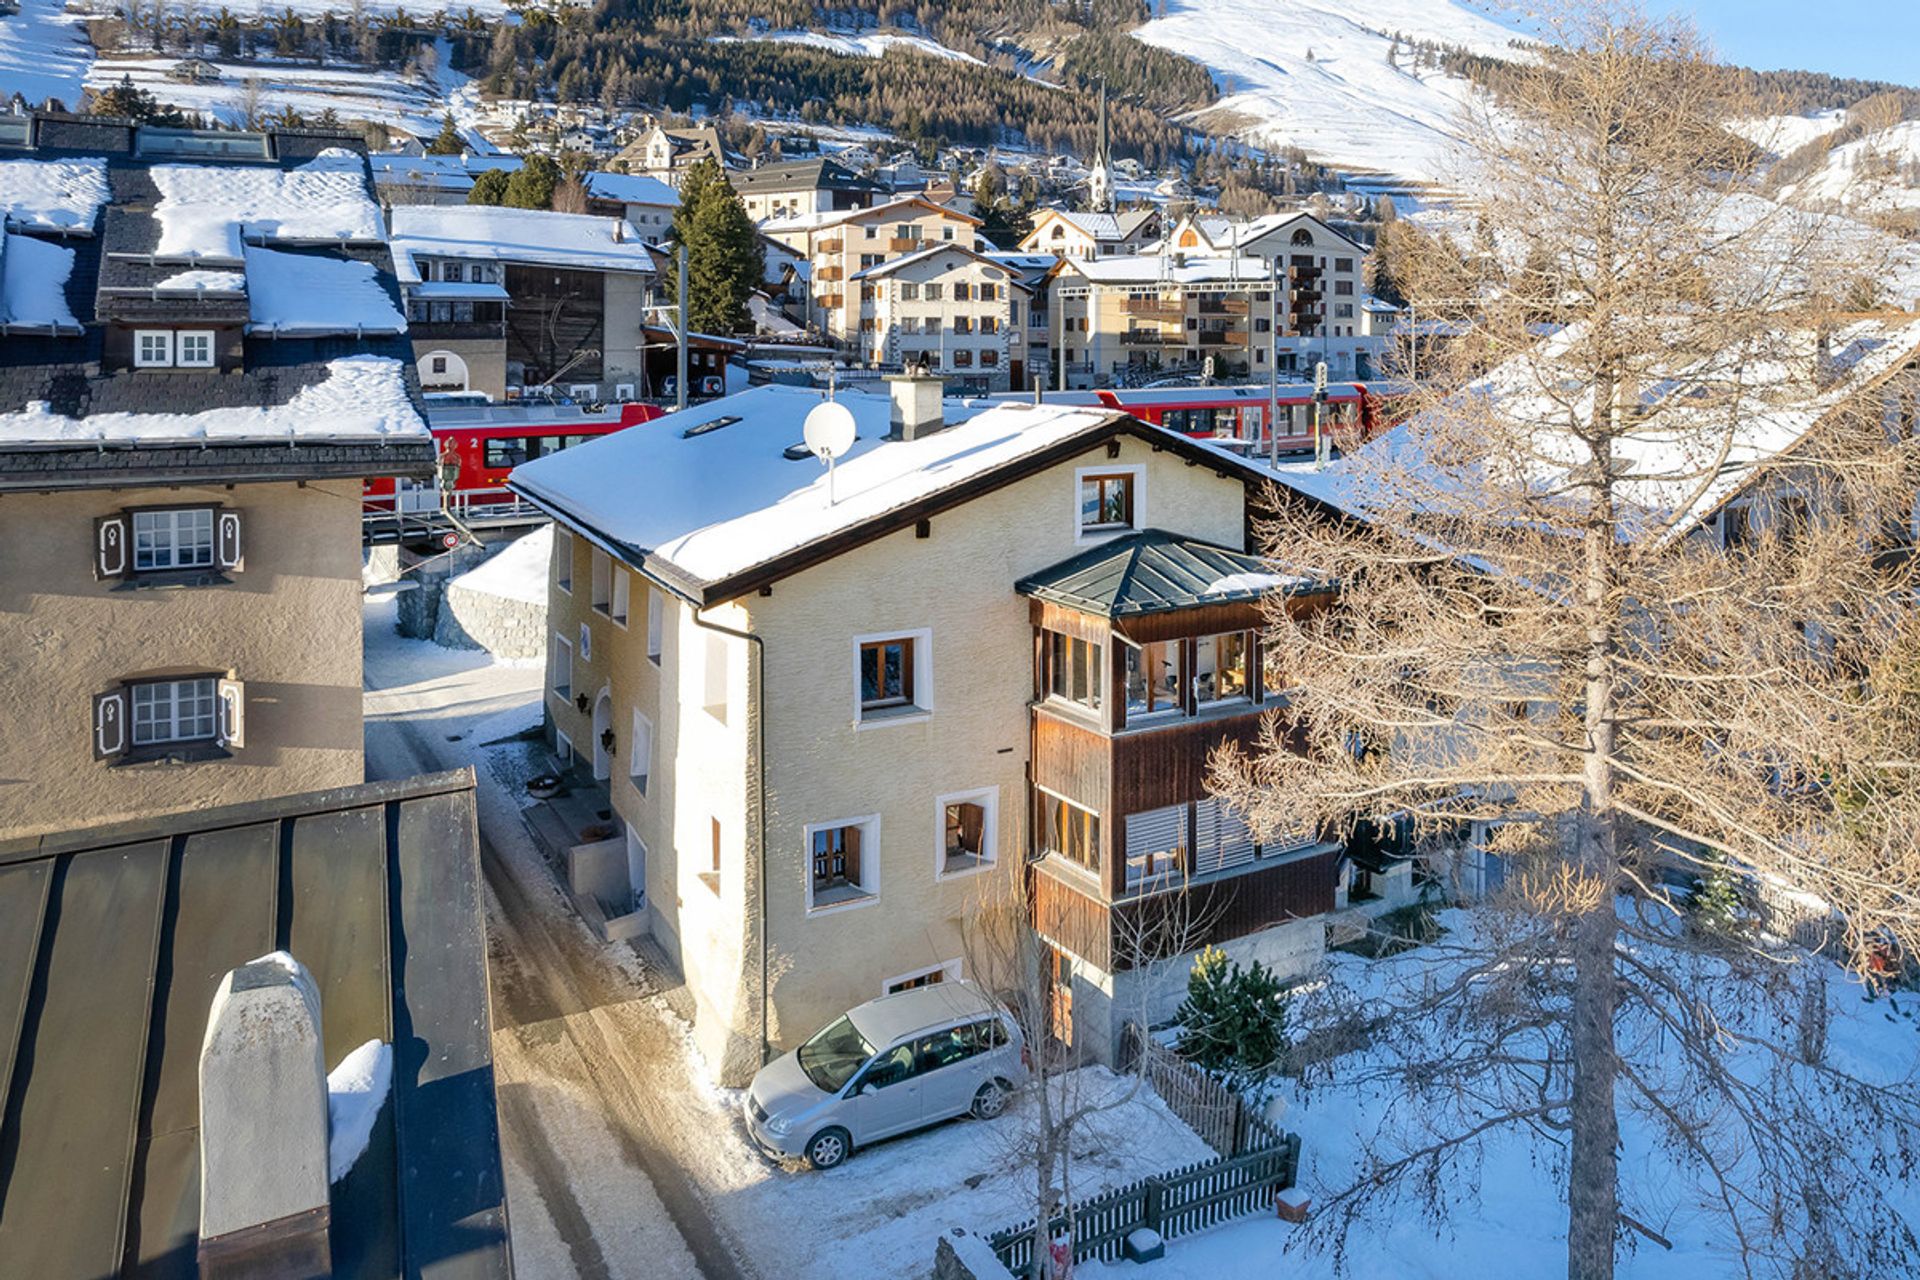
(194, 349)
(640, 757)
(602, 601)
(152, 348)
(560, 664)
(843, 862)
(622, 595)
(1108, 500)
(893, 676)
(180, 538)
(563, 560)
(715, 700)
(167, 711)
(656, 623)
(969, 831)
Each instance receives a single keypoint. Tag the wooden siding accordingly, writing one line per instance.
(1071, 759)
(1162, 766)
(1203, 620)
(1056, 617)
(1069, 917)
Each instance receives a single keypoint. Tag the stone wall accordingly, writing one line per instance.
(469, 619)
(961, 1255)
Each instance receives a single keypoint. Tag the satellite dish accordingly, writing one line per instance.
(829, 430)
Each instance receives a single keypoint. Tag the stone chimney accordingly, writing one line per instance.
(264, 1206)
(919, 407)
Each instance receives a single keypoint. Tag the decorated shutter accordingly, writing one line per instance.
(110, 547)
(586, 643)
(1221, 837)
(110, 733)
(232, 731)
(1155, 831)
(227, 541)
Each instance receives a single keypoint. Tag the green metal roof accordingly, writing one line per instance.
(1154, 572)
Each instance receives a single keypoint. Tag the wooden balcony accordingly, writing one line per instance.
(830, 246)
(905, 244)
(1223, 338)
(1152, 308)
(831, 274)
(832, 301)
(1223, 306)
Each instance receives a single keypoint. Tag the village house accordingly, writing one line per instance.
(504, 301)
(838, 246)
(831, 712)
(949, 310)
(423, 179)
(647, 204)
(801, 188)
(202, 354)
(667, 154)
(1069, 234)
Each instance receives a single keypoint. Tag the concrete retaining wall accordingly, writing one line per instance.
(469, 619)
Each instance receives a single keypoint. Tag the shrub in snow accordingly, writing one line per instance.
(1234, 1018)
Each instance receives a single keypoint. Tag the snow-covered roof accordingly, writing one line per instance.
(304, 294)
(206, 211)
(892, 265)
(458, 291)
(362, 398)
(496, 234)
(727, 499)
(53, 195)
(834, 217)
(631, 188)
(197, 281)
(33, 283)
(448, 173)
(1154, 268)
(1247, 233)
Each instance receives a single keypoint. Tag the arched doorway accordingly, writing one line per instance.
(442, 371)
(602, 726)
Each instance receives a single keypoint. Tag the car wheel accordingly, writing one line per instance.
(829, 1147)
(990, 1101)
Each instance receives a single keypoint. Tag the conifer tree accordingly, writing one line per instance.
(448, 141)
(725, 261)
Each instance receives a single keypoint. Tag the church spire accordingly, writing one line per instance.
(1100, 180)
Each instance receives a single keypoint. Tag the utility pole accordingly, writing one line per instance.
(1273, 367)
(680, 356)
(1319, 404)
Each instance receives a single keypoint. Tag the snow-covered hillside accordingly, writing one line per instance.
(43, 53)
(1316, 74)
(866, 44)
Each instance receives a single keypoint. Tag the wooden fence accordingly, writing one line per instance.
(1175, 1203)
(1210, 1108)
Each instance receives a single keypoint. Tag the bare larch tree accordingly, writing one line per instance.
(1629, 587)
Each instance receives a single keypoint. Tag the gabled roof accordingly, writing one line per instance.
(938, 247)
(1247, 233)
(1155, 572)
(494, 233)
(816, 221)
(818, 174)
(631, 188)
(112, 943)
(1156, 268)
(1103, 227)
(734, 510)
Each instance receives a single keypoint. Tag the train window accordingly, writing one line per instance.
(1176, 419)
(574, 440)
(506, 453)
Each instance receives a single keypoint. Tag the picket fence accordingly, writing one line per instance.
(1255, 1161)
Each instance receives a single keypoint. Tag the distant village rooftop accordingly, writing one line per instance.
(490, 233)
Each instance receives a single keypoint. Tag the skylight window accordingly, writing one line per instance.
(703, 428)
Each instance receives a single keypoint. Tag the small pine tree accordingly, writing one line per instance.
(532, 184)
(489, 188)
(1716, 901)
(1234, 1019)
(448, 141)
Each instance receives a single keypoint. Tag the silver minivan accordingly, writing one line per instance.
(901, 1062)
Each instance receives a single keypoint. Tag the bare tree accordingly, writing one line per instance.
(1544, 634)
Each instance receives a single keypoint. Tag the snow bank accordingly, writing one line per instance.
(356, 1090)
(204, 209)
(363, 397)
(518, 573)
(299, 293)
(33, 282)
(1237, 583)
(53, 195)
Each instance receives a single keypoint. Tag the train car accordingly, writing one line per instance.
(479, 445)
(1241, 413)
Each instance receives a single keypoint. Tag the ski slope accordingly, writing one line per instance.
(43, 53)
(1316, 74)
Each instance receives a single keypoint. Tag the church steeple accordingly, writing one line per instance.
(1100, 180)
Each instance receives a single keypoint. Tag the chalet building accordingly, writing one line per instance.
(202, 355)
(832, 714)
(1067, 234)
(839, 246)
(502, 301)
(949, 310)
(802, 188)
(647, 204)
(667, 154)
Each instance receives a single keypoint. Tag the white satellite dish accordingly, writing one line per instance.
(829, 432)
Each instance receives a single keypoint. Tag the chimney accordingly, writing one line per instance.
(919, 407)
(264, 1207)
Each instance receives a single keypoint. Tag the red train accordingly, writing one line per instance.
(1240, 413)
(478, 446)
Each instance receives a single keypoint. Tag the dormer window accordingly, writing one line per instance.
(152, 348)
(168, 349)
(193, 348)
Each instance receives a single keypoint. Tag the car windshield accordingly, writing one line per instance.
(833, 1054)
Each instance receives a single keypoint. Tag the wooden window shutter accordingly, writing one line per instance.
(852, 871)
(227, 541)
(110, 732)
(232, 730)
(110, 556)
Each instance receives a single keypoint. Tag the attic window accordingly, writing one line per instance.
(713, 425)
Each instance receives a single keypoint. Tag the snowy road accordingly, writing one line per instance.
(591, 1072)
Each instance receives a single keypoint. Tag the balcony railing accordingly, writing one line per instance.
(1149, 337)
(904, 244)
(1222, 338)
(831, 246)
(832, 301)
(832, 273)
(1152, 307)
(1223, 306)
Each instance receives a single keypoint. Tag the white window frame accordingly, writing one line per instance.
(196, 336)
(987, 798)
(622, 596)
(922, 706)
(563, 559)
(952, 971)
(656, 622)
(640, 763)
(173, 735)
(561, 644)
(869, 863)
(1085, 537)
(165, 340)
(167, 520)
(601, 571)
